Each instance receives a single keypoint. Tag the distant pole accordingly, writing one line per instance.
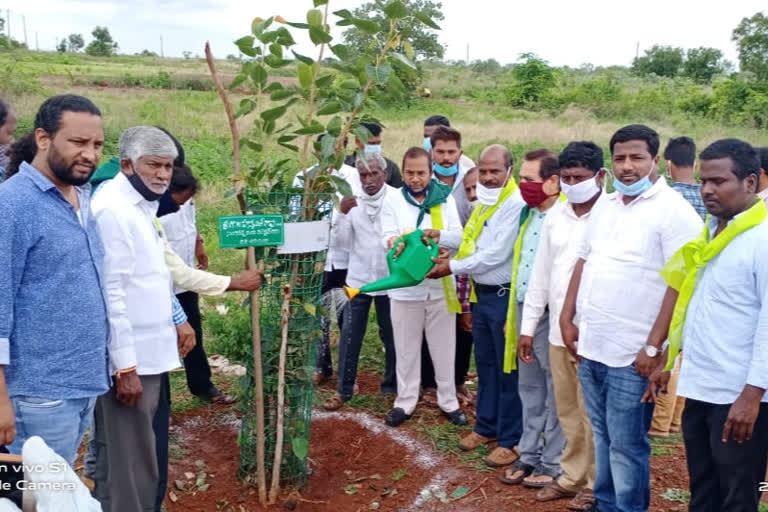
(637, 50)
(37, 44)
(24, 23)
(8, 23)
(161, 47)
(467, 54)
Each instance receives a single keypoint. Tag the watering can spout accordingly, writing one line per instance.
(351, 292)
(408, 269)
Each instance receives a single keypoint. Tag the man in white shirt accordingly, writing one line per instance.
(723, 333)
(581, 178)
(358, 222)
(486, 253)
(620, 291)
(423, 203)
(143, 340)
(334, 278)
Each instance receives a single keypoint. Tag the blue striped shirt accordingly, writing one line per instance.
(692, 194)
(53, 313)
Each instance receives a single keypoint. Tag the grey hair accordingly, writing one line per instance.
(370, 160)
(142, 141)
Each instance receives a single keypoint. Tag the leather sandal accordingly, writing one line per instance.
(584, 501)
(553, 492)
(334, 403)
(515, 474)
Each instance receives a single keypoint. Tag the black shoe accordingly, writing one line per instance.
(457, 417)
(396, 416)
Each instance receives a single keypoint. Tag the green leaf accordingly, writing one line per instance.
(350, 489)
(276, 50)
(318, 3)
(328, 147)
(402, 59)
(332, 107)
(399, 474)
(426, 20)
(315, 18)
(274, 113)
(361, 133)
(259, 75)
(286, 138)
(408, 49)
(245, 45)
(299, 444)
(297, 25)
(396, 9)
(290, 146)
(251, 144)
(367, 26)
(342, 186)
(273, 86)
(324, 81)
(284, 37)
(343, 13)
(246, 107)
(305, 74)
(334, 126)
(343, 52)
(314, 129)
(281, 94)
(239, 79)
(274, 61)
(460, 492)
(302, 58)
(258, 26)
(312, 310)
(319, 36)
(268, 37)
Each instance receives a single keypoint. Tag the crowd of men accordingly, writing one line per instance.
(568, 295)
(586, 309)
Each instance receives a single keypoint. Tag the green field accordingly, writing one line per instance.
(197, 118)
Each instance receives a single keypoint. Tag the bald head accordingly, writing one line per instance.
(495, 161)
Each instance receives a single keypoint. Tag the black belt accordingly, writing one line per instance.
(492, 288)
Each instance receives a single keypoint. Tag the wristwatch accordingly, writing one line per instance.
(651, 351)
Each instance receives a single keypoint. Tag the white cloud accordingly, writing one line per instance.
(602, 32)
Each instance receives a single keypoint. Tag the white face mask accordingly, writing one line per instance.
(489, 196)
(474, 203)
(580, 192)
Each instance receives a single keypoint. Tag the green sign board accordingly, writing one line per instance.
(250, 231)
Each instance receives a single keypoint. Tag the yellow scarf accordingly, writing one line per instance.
(510, 329)
(476, 223)
(449, 283)
(681, 270)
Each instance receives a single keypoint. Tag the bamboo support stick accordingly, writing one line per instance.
(258, 374)
(286, 312)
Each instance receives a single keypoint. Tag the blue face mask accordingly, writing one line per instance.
(427, 144)
(445, 171)
(634, 189)
(413, 193)
(372, 148)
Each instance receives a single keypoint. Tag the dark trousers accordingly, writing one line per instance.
(336, 278)
(196, 362)
(355, 323)
(160, 424)
(499, 410)
(724, 477)
(463, 355)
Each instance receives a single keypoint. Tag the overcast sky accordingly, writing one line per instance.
(602, 32)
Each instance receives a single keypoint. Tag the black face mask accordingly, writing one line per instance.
(142, 188)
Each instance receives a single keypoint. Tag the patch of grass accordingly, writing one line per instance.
(763, 507)
(674, 439)
(445, 436)
(677, 495)
(182, 400)
(378, 404)
(661, 450)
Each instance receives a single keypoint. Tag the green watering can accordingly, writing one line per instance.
(408, 269)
